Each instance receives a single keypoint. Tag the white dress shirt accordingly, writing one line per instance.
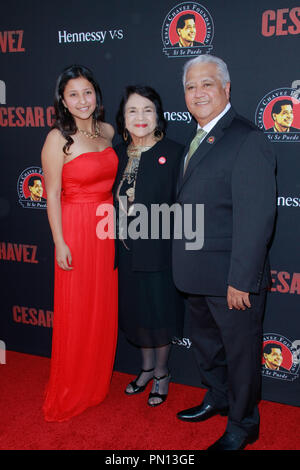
(211, 124)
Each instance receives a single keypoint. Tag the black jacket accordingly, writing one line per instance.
(233, 174)
(156, 184)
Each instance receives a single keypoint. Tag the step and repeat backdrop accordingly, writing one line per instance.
(137, 42)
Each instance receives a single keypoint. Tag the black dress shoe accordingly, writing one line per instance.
(162, 397)
(139, 388)
(201, 413)
(231, 441)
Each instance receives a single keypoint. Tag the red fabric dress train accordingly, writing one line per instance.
(85, 299)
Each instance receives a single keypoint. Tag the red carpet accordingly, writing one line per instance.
(120, 422)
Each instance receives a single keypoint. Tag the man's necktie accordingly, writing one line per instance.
(194, 145)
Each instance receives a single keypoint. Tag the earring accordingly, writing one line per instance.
(125, 135)
(62, 104)
(158, 134)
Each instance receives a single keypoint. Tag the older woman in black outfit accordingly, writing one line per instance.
(150, 307)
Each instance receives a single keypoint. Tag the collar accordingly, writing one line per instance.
(208, 127)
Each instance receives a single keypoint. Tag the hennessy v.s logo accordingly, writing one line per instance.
(11, 41)
(116, 34)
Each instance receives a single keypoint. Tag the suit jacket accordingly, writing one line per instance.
(233, 174)
(155, 184)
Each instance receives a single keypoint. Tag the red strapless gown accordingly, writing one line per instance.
(85, 299)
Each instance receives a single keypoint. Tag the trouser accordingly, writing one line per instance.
(227, 346)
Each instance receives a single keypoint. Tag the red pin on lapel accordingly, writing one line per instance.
(210, 139)
(162, 160)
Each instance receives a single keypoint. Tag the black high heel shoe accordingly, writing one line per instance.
(138, 388)
(156, 394)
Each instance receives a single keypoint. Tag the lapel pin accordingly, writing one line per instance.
(162, 160)
(211, 139)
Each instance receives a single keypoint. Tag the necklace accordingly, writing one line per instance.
(134, 151)
(90, 135)
(130, 173)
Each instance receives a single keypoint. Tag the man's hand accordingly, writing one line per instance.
(237, 299)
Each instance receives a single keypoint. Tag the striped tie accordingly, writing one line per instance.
(194, 145)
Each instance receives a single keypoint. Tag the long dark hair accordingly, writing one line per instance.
(146, 92)
(64, 120)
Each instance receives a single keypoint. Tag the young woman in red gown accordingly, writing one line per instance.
(79, 167)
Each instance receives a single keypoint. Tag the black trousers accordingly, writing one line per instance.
(227, 346)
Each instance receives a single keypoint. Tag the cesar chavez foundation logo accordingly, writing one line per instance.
(187, 30)
(31, 188)
(278, 114)
(280, 357)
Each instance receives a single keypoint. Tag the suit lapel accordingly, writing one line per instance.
(185, 152)
(205, 147)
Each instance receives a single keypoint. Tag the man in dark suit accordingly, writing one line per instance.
(232, 173)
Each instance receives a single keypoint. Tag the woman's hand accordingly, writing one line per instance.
(52, 161)
(64, 257)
